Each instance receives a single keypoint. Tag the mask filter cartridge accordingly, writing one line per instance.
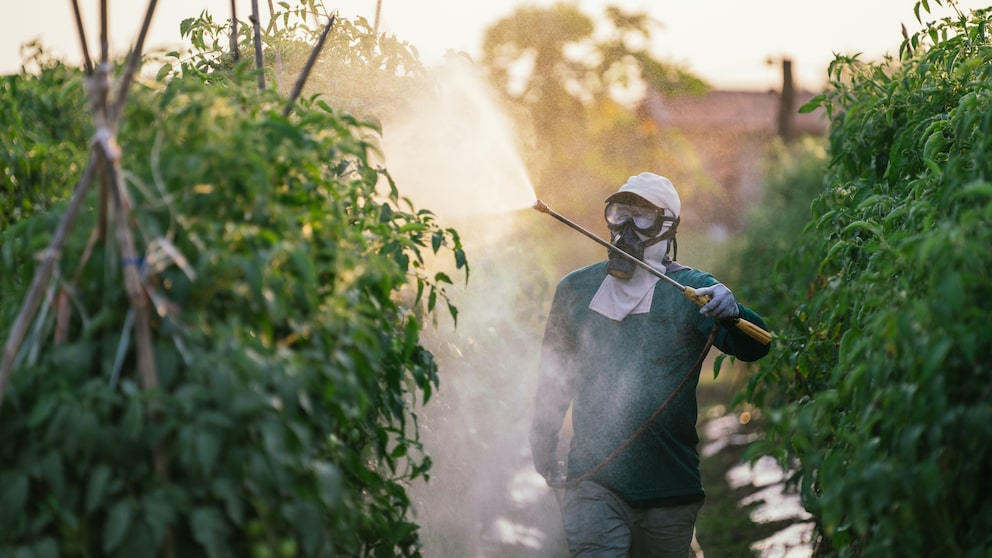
(626, 239)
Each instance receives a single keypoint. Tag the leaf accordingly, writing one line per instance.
(210, 530)
(47, 548)
(159, 511)
(873, 228)
(53, 473)
(937, 355)
(717, 362)
(41, 411)
(329, 483)
(207, 450)
(412, 227)
(813, 104)
(274, 439)
(933, 166)
(225, 489)
(133, 421)
(13, 496)
(116, 526)
(96, 487)
(305, 269)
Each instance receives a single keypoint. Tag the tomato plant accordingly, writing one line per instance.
(43, 132)
(879, 384)
(288, 282)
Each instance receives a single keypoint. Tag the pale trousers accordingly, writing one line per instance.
(600, 524)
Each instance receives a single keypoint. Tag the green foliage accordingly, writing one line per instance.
(358, 71)
(289, 282)
(879, 384)
(43, 131)
(794, 177)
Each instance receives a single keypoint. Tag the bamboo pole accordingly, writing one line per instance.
(272, 26)
(235, 53)
(259, 63)
(104, 39)
(132, 278)
(133, 61)
(87, 61)
(301, 81)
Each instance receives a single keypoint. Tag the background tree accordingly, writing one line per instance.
(576, 82)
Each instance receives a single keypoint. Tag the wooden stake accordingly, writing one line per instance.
(259, 63)
(272, 27)
(131, 67)
(235, 53)
(300, 81)
(87, 61)
(104, 33)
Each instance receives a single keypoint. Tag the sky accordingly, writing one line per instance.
(732, 44)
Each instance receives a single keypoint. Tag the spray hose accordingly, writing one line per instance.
(753, 331)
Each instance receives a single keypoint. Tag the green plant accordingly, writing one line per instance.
(793, 177)
(43, 131)
(360, 72)
(879, 384)
(288, 282)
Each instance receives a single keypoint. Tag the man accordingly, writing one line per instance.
(619, 346)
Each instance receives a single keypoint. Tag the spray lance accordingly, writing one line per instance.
(752, 330)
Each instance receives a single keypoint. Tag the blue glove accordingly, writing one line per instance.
(722, 304)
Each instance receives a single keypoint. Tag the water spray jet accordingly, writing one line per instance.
(753, 331)
(454, 148)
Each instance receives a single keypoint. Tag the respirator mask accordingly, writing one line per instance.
(632, 229)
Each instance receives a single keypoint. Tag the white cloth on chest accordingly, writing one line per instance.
(618, 298)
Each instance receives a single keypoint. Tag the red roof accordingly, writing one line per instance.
(739, 111)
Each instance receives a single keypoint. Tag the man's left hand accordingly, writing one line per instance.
(722, 304)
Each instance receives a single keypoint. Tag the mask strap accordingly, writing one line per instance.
(669, 235)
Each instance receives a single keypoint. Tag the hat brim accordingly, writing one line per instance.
(630, 198)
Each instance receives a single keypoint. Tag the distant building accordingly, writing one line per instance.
(729, 130)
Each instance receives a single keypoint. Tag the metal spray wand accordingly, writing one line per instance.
(753, 331)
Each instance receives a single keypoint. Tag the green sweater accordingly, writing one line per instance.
(617, 374)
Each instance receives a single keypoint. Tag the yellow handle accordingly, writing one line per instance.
(752, 330)
(701, 300)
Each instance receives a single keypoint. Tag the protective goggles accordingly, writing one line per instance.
(646, 220)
